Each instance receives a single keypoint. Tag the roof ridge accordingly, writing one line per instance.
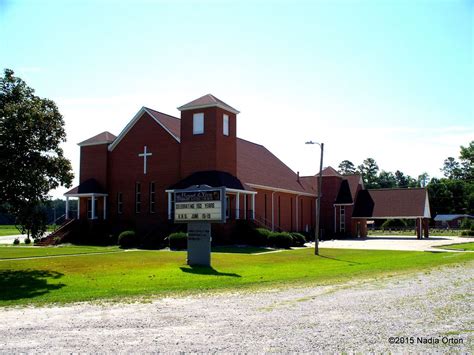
(397, 188)
(246, 140)
(166, 114)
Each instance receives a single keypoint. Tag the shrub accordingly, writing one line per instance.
(16, 241)
(260, 237)
(178, 241)
(280, 240)
(298, 239)
(467, 233)
(394, 223)
(127, 239)
(27, 241)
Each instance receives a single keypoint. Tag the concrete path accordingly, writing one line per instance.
(8, 239)
(394, 243)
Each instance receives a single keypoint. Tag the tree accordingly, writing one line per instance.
(451, 168)
(32, 162)
(369, 170)
(467, 161)
(402, 180)
(346, 168)
(423, 180)
(387, 179)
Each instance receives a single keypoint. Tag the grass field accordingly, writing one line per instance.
(12, 230)
(119, 274)
(462, 246)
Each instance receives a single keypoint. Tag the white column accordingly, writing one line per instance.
(253, 206)
(105, 207)
(245, 206)
(237, 206)
(93, 207)
(78, 207)
(67, 208)
(169, 205)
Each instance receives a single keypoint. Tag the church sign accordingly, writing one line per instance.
(199, 205)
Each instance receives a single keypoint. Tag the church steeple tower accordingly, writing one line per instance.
(208, 136)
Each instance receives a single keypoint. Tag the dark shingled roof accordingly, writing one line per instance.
(386, 203)
(87, 187)
(344, 195)
(101, 138)
(173, 124)
(212, 178)
(208, 100)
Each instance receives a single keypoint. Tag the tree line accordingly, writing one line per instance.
(451, 194)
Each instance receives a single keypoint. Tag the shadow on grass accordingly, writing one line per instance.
(344, 261)
(239, 250)
(18, 284)
(206, 270)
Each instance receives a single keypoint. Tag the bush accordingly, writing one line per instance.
(127, 239)
(280, 240)
(27, 241)
(394, 223)
(260, 237)
(16, 241)
(467, 233)
(178, 241)
(298, 239)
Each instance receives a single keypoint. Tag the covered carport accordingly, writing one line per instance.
(394, 204)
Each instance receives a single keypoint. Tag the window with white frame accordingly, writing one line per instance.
(225, 125)
(89, 208)
(198, 123)
(342, 218)
(119, 203)
(152, 197)
(138, 197)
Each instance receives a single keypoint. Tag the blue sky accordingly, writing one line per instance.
(388, 79)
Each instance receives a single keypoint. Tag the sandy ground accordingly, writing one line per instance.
(394, 243)
(364, 316)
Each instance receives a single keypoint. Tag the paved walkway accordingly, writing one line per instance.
(394, 243)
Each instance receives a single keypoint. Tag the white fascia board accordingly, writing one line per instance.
(343, 204)
(86, 195)
(276, 189)
(90, 144)
(245, 192)
(427, 212)
(134, 120)
(197, 107)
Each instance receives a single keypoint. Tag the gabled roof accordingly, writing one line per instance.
(169, 123)
(330, 171)
(392, 203)
(88, 187)
(344, 195)
(212, 178)
(354, 181)
(101, 138)
(254, 164)
(205, 101)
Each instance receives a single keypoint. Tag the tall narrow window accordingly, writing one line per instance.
(265, 208)
(152, 197)
(279, 212)
(138, 197)
(342, 219)
(227, 207)
(91, 215)
(119, 203)
(225, 125)
(198, 123)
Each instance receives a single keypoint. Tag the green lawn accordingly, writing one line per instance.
(462, 246)
(14, 252)
(8, 230)
(147, 273)
(12, 230)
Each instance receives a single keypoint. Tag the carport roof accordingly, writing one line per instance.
(392, 203)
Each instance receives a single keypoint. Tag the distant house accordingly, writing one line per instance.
(451, 220)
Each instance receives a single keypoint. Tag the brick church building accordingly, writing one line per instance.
(127, 181)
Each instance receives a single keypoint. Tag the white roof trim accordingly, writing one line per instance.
(89, 194)
(427, 212)
(95, 143)
(134, 120)
(277, 189)
(197, 107)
